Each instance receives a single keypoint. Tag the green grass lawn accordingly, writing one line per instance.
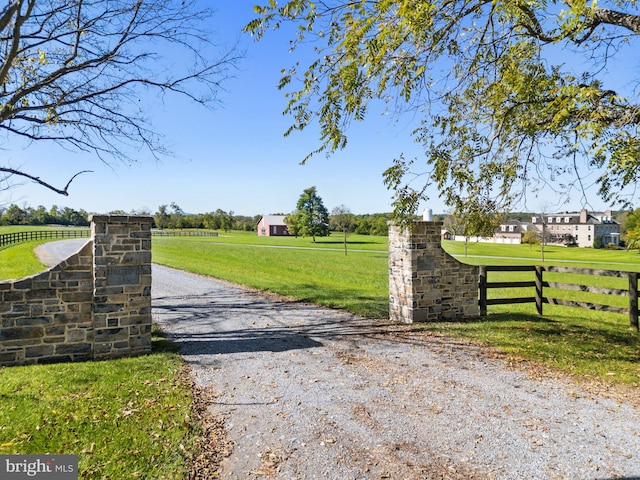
(319, 273)
(101, 401)
(19, 261)
(335, 241)
(553, 255)
(127, 418)
(587, 343)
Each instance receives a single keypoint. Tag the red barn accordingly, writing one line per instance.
(272, 226)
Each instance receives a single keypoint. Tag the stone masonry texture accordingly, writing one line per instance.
(96, 304)
(426, 284)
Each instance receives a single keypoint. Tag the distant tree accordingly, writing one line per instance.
(244, 223)
(531, 236)
(313, 216)
(74, 217)
(176, 217)
(161, 217)
(631, 228)
(372, 224)
(210, 221)
(226, 221)
(40, 216)
(14, 215)
(379, 224)
(343, 220)
(474, 220)
(140, 211)
(54, 214)
(597, 241)
(293, 221)
(74, 73)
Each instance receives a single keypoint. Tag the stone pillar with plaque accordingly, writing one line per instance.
(122, 285)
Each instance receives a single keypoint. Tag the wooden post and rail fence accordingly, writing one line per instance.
(8, 239)
(540, 284)
(14, 238)
(484, 285)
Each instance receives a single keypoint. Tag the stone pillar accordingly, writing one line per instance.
(122, 285)
(426, 284)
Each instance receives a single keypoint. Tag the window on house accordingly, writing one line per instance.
(566, 219)
(589, 238)
(503, 227)
(550, 219)
(558, 219)
(533, 219)
(576, 237)
(589, 227)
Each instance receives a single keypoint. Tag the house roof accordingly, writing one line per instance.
(274, 220)
(515, 226)
(593, 218)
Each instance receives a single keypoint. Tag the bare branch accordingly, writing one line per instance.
(74, 72)
(64, 191)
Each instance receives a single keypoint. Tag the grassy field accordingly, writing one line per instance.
(584, 342)
(477, 254)
(590, 345)
(127, 418)
(315, 272)
(19, 261)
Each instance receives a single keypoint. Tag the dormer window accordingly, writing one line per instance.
(533, 219)
(550, 219)
(566, 219)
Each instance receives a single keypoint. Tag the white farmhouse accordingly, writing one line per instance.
(583, 228)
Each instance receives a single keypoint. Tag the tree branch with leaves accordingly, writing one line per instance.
(508, 92)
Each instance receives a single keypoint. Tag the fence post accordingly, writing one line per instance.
(633, 301)
(539, 270)
(482, 284)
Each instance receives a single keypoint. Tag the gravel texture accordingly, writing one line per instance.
(311, 393)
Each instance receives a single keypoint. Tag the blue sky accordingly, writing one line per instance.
(234, 158)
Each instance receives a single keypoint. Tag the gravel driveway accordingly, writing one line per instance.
(313, 393)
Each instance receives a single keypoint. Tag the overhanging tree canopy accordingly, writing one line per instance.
(511, 93)
(74, 72)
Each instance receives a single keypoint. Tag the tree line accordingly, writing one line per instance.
(171, 216)
(15, 215)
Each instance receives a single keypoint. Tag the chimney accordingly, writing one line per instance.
(583, 216)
